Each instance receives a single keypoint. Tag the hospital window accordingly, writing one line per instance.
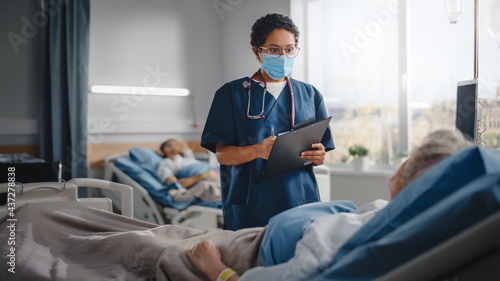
(388, 70)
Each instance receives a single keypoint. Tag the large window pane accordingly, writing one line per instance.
(364, 55)
(440, 54)
(489, 72)
(352, 52)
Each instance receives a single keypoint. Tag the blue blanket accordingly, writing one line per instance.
(141, 166)
(454, 195)
(285, 229)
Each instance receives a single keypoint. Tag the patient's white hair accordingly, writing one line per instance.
(433, 148)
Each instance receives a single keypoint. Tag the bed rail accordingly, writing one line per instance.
(125, 191)
(20, 194)
(146, 208)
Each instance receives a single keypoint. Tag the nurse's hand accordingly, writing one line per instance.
(317, 156)
(264, 148)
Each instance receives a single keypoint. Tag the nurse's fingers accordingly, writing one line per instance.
(316, 160)
(265, 147)
(314, 152)
(319, 146)
(316, 156)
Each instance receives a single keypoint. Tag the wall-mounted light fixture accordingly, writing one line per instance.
(127, 90)
(151, 91)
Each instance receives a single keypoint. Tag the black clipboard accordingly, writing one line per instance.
(285, 154)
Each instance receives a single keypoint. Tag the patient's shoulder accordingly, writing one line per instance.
(286, 229)
(376, 206)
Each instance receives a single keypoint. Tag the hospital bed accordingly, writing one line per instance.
(442, 226)
(147, 209)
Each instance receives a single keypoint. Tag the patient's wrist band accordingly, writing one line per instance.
(225, 274)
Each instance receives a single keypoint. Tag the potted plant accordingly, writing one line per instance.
(360, 157)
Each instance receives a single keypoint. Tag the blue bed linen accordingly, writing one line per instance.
(146, 158)
(457, 212)
(193, 170)
(457, 192)
(446, 177)
(157, 190)
(286, 229)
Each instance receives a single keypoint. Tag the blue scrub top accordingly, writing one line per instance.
(247, 203)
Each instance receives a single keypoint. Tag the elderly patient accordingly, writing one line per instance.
(322, 238)
(179, 165)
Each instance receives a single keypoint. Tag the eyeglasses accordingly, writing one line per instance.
(276, 52)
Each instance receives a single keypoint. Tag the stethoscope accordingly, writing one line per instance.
(248, 85)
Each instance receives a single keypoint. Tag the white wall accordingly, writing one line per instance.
(361, 188)
(20, 65)
(164, 43)
(194, 44)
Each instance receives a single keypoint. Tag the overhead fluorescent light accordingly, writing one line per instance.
(127, 90)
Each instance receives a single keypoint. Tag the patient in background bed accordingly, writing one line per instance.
(179, 165)
(322, 238)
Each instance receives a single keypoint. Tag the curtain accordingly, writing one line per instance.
(65, 55)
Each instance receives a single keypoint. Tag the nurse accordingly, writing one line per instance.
(246, 116)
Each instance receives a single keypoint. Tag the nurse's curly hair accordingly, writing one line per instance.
(267, 24)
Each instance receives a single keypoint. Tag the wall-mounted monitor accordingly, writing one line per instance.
(466, 115)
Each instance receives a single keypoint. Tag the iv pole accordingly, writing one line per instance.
(476, 39)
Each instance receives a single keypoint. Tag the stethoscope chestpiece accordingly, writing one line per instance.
(256, 117)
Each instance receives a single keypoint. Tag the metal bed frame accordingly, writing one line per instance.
(41, 192)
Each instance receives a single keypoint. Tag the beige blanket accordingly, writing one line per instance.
(206, 189)
(69, 241)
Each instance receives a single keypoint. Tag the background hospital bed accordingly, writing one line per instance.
(42, 192)
(146, 209)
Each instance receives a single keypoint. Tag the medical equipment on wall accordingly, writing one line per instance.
(453, 9)
(248, 85)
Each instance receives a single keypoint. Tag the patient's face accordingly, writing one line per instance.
(396, 183)
(172, 149)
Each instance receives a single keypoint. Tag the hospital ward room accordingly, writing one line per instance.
(224, 140)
